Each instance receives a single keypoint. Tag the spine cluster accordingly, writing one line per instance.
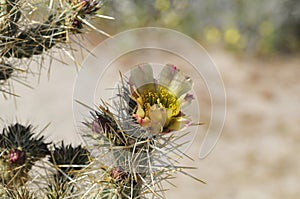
(24, 37)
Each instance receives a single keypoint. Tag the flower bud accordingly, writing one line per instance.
(118, 174)
(16, 156)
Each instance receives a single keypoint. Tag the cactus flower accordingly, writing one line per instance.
(159, 101)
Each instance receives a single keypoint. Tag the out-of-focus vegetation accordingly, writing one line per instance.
(256, 27)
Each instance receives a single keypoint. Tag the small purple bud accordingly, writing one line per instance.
(16, 156)
(97, 126)
(118, 174)
(101, 124)
(77, 24)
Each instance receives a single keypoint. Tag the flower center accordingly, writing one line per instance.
(156, 94)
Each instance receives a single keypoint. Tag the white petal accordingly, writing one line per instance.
(167, 74)
(141, 75)
(175, 80)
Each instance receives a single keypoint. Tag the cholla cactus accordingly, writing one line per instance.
(19, 152)
(68, 162)
(132, 143)
(35, 38)
(29, 28)
(130, 149)
(20, 193)
(5, 71)
(138, 134)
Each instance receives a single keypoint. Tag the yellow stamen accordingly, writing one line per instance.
(160, 95)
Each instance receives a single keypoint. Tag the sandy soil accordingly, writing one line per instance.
(256, 156)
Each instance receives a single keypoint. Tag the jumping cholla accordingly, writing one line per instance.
(131, 146)
(30, 28)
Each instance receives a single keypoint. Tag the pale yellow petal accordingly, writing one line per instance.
(158, 118)
(140, 111)
(178, 123)
(169, 113)
(157, 114)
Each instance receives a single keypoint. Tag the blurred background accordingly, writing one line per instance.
(256, 27)
(255, 45)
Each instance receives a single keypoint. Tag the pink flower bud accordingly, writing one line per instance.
(16, 156)
(118, 174)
